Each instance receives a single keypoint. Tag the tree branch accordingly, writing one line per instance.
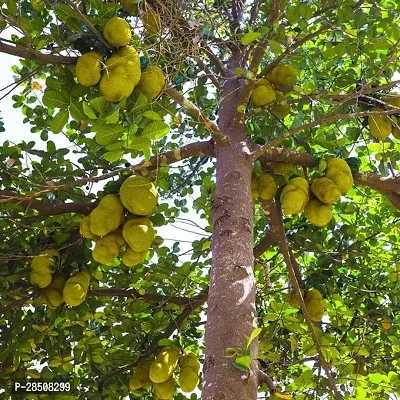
(34, 55)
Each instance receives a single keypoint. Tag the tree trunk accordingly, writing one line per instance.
(231, 315)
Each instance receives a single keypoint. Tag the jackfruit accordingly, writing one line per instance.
(284, 75)
(339, 172)
(41, 273)
(139, 234)
(54, 292)
(380, 125)
(293, 300)
(254, 186)
(131, 258)
(88, 68)
(267, 187)
(396, 127)
(281, 108)
(140, 377)
(152, 81)
(165, 390)
(132, 7)
(188, 379)
(115, 85)
(108, 247)
(84, 228)
(393, 99)
(42, 280)
(151, 22)
(318, 213)
(263, 93)
(75, 289)
(189, 360)
(107, 216)
(282, 168)
(325, 190)
(138, 195)
(313, 303)
(117, 32)
(164, 365)
(294, 196)
(128, 58)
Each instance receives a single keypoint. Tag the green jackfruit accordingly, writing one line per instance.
(84, 228)
(262, 94)
(189, 360)
(117, 32)
(318, 213)
(138, 234)
(151, 22)
(380, 125)
(75, 289)
(339, 172)
(140, 377)
(396, 127)
(284, 75)
(107, 216)
(295, 195)
(162, 368)
(41, 273)
(107, 247)
(42, 280)
(138, 195)
(188, 379)
(325, 190)
(313, 303)
(115, 85)
(132, 7)
(131, 258)
(152, 81)
(280, 108)
(267, 187)
(54, 292)
(165, 390)
(88, 68)
(282, 168)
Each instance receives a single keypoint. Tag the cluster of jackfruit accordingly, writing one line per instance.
(41, 266)
(76, 287)
(263, 187)
(53, 295)
(119, 74)
(312, 301)
(381, 126)
(113, 231)
(295, 196)
(266, 90)
(160, 373)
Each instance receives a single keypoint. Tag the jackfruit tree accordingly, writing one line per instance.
(200, 199)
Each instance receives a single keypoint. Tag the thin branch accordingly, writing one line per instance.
(87, 22)
(209, 73)
(263, 245)
(265, 378)
(34, 55)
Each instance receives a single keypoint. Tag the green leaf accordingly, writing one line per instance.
(250, 37)
(88, 110)
(244, 361)
(59, 121)
(152, 115)
(240, 366)
(98, 104)
(140, 144)
(108, 134)
(253, 335)
(56, 99)
(156, 130)
(113, 156)
(76, 110)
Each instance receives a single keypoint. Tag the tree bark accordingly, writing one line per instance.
(231, 315)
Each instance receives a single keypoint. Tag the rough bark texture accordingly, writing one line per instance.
(231, 315)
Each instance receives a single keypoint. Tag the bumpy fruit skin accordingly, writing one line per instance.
(132, 7)
(140, 377)
(189, 360)
(151, 22)
(282, 168)
(107, 216)
(318, 213)
(84, 228)
(281, 108)
(267, 187)
(393, 99)
(325, 190)
(115, 85)
(396, 127)
(117, 32)
(293, 300)
(42, 280)
(139, 234)
(132, 258)
(294, 196)
(88, 68)
(53, 294)
(165, 390)
(76, 288)
(162, 368)
(339, 172)
(284, 75)
(108, 247)
(41, 274)
(152, 81)
(254, 186)
(138, 195)
(313, 302)
(380, 125)
(188, 379)
(263, 93)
